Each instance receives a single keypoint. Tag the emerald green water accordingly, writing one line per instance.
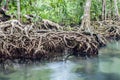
(104, 67)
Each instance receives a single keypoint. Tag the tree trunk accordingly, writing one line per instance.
(18, 9)
(117, 15)
(85, 25)
(103, 9)
(111, 11)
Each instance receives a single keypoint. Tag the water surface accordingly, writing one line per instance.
(104, 67)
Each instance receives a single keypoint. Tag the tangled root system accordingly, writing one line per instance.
(23, 42)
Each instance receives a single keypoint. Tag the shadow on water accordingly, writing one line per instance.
(103, 76)
(106, 76)
(4, 78)
(91, 71)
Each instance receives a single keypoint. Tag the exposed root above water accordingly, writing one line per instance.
(28, 42)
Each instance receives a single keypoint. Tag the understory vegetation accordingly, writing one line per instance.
(60, 11)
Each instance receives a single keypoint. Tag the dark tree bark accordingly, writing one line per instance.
(3, 16)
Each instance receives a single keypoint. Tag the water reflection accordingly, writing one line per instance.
(61, 71)
(105, 67)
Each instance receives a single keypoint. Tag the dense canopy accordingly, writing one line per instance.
(61, 11)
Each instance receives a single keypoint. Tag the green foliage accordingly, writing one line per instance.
(96, 9)
(61, 11)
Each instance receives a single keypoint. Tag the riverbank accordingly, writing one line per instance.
(48, 41)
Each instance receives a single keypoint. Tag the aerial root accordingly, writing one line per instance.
(49, 45)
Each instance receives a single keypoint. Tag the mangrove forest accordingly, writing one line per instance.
(59, 39)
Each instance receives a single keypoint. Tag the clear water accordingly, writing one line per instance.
(105, 67)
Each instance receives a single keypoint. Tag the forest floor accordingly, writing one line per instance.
(47, 40)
